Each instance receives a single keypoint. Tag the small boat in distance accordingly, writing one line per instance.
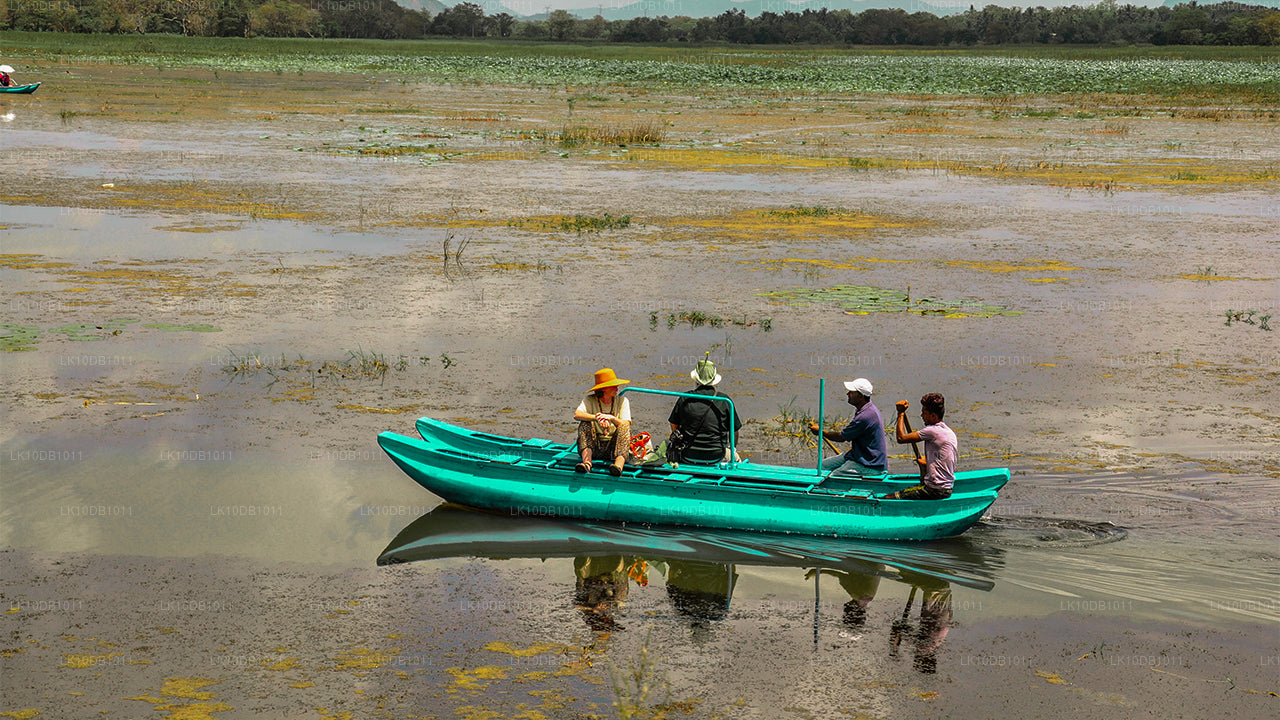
(20, 89)
(536, 477)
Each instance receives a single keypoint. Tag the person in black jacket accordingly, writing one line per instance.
(703, 423)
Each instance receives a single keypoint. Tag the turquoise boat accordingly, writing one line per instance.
(20, 89)
(535, 477)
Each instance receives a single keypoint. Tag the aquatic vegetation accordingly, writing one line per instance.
(576, 223)
(792, 422)
(994, 72)
(170, 327)
(86, 332)
(636, 682)
(698, 318)
(572, 136)
(801, 223)
(1009, 266)
(24, 337)
(20, 261)
(18, 338)
(203, 197)
(365, 363)
(537, 266)
(863, 300)
(1263, 322)
(797, 211)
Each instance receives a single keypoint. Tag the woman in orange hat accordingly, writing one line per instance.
(604, 423)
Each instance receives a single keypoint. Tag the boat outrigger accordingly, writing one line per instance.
(536, 477)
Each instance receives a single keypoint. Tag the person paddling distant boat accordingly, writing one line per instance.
(938, 466)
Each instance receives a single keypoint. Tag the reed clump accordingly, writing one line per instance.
(572, 136)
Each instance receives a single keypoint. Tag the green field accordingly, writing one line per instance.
(1239, 74)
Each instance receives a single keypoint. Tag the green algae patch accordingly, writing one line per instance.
(794, 222)
(190, 688)
(863, 300)
(476, 679)
(20, 714)
(18, 338)
(29, 262)
(169, 327)
(1001, 266)
(535, 649)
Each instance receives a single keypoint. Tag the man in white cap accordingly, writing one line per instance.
(868, 455)
(703, 423)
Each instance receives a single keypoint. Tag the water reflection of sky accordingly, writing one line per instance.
(87, 235)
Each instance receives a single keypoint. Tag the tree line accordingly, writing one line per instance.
(1105, 23)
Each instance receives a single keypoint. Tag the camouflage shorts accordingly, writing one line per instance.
(924, 492)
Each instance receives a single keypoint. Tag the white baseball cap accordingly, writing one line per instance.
(861, 385)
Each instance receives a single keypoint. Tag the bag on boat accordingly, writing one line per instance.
(676, 445)
(642, 449)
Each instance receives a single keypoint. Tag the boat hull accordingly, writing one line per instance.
(20, 89)
(536, 478)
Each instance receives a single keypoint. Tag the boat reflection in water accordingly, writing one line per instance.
(700, 568)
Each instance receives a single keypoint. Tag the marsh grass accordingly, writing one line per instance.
(359, 364)
(516, 265)
(637, 682)
(576, 223)
(572, 136)
(1249, 317)
(793, 422)
(797, 212)
(698, 318)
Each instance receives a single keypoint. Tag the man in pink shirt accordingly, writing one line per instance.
(938, 466)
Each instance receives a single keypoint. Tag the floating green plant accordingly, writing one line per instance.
(169, 327)
(861, 300)
(18, 338)
(94, 332)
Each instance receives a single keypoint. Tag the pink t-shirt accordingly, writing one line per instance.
(940, 450)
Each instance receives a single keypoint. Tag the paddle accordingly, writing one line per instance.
(900, 626)
(831, 445)
(907, 425)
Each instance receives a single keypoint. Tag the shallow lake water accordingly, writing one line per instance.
(204, 339)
